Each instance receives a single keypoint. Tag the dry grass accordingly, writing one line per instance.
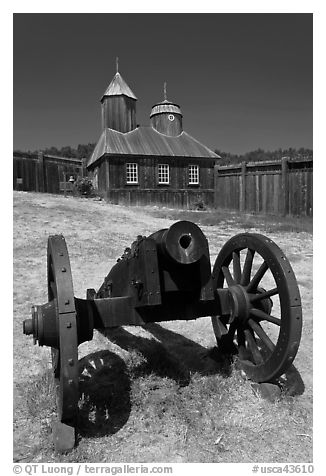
(247, 221)
(154, 394)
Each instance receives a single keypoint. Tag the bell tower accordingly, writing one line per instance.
(118, 105)
(166, 117)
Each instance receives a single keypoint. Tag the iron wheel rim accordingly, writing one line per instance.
(65, 357)
(269, 358)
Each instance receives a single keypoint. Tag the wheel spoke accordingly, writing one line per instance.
(243, 352)
(264, 295)
(225, 343)
(261, 334)
(257, 277)
(264, 316)
(257, 357)
(241, 341)
(247, 267)
(56, 362)
(236, 266)
(232, 329)
(51, 278)
(227, 275)
(53, 289)
(219, 328)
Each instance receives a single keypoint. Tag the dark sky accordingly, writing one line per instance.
(243, 81)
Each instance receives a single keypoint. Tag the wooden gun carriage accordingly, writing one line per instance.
(251, 295)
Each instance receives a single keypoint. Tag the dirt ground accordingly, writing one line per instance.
(162, 419)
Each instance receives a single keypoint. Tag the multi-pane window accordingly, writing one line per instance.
(132, 173)
(193, 174)
(163, 173)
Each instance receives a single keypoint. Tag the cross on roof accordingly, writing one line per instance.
(164, 91)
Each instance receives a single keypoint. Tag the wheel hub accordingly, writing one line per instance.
(240, 303)
(43, 325)
(265, 304)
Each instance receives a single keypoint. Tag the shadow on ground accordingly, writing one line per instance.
(105, 406)
(170, 354)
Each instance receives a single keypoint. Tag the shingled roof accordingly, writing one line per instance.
(148, 141)
(118, 87)
(165, 106)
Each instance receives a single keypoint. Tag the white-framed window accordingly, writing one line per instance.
(193, 174)
(163, 173)
(131, 173)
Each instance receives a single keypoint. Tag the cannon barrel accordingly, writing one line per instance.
(183, 242)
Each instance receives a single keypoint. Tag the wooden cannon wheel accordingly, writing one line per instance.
(65, 355)
(264, 327)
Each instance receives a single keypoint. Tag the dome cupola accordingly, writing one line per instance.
(166, 117)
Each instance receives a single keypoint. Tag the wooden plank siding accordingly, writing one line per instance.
(168, 198)
(178, 193)
(119, 113)
(43, 173)
(277, 187)
(148, 172)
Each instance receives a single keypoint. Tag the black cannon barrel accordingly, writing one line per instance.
(183, 242)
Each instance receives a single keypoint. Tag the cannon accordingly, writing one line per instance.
(251, 295)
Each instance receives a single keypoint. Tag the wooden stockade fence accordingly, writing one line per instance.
(281, 187)
(45, 173)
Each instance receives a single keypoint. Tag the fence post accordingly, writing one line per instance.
(285, 186)
(216, 169)
(243, 187)
(257, 193)
(41, 171)
(36, 174)
(84, 169)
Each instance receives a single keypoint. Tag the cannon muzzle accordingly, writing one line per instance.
(183, 242)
